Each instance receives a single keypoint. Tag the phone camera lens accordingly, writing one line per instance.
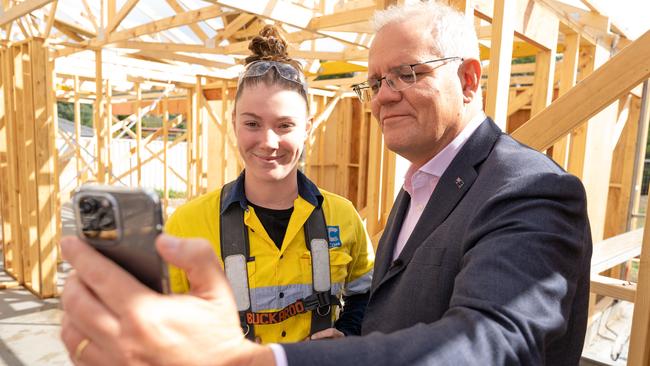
(107, 222)
(88, 205)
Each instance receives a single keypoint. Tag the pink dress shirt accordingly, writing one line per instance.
(419, 184)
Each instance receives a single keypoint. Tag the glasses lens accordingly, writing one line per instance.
(406, 77)
(373, 86)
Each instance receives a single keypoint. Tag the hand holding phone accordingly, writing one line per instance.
(123, 223)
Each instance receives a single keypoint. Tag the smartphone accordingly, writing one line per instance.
(122, 223)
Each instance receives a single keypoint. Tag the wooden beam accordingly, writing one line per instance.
(520, 101)
(61, 25)
(174, 21)
(89, 14)
(100, 123)
(183, 58)
(232, 27)
(194, 26)
(639, 353)
(617, 76)
(568, 77)
(496, 104)
(169, 47)
(358, 15)
(623, 166)
(124, 11)
(280, 11)
(596, 36)
(529, 21)
(618, 289)
(138, 133)
(544, 72)
(616, 250)
(50, 19)
(21, 9)
(77, 129)
(45, 171)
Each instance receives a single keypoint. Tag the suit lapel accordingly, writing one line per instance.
(452, 186)
(389, 237)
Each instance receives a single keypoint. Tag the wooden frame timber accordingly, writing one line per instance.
(160, 76)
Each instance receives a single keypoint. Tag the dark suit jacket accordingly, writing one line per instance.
(496, 271)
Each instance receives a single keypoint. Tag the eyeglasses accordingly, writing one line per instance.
(398, 79)
(286, 71)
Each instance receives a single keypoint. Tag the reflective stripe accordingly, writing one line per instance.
(268, 298)
(359, 286)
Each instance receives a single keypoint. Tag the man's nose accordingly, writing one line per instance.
(386, 94)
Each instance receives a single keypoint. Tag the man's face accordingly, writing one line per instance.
(419, 121)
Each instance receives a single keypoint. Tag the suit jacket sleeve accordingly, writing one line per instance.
(527, 248)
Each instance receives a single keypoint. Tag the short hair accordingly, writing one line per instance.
(453, 33)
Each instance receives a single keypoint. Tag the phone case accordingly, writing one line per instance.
(123, 223)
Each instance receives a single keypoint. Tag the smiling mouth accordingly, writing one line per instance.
(268, 158)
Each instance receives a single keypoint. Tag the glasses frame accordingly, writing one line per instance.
(359, 89)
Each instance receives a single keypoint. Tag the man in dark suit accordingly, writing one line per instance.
(484, 260)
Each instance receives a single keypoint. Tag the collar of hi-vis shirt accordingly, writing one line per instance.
(420, 183)
(306, 189)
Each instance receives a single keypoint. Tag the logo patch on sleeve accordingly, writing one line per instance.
(334, 236)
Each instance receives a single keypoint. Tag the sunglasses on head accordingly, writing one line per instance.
(286, 71)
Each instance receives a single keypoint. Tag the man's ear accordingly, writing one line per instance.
(469, 73)
(234, 120)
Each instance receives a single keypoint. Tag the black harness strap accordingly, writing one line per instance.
(234, 241)
(321, 317)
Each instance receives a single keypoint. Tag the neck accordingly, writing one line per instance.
(419, 160)
(273, 194)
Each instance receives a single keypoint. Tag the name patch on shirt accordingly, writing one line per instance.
(334, 236)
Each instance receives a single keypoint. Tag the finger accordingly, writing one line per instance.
(320, 335)
(91, 354)
(112, 285)
(196, 257)
(86, 313)
(327, 333)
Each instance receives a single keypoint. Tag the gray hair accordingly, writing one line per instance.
(453, 33)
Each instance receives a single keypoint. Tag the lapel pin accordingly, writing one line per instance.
(459, 183)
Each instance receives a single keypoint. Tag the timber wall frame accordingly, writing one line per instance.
(28, 167)
(581, 101)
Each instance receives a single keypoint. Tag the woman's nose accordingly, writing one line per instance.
(271, 139)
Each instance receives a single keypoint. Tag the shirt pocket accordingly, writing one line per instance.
(339, 262)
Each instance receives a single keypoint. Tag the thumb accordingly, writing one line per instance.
(197, 259)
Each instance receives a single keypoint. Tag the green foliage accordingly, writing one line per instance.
(66, 110)
(172, 193)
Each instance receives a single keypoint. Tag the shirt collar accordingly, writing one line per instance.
(439, 163)
(306, 189)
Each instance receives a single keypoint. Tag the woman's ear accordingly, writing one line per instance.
(469, 73)
(233, 120)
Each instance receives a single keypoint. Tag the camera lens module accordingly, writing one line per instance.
(88, 205)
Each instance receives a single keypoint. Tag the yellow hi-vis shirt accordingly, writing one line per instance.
(277, 278)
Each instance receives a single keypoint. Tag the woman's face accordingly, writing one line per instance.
(271, 125)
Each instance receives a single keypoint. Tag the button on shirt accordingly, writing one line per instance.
(420, 183)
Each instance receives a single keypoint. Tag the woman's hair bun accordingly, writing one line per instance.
(270, 46)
